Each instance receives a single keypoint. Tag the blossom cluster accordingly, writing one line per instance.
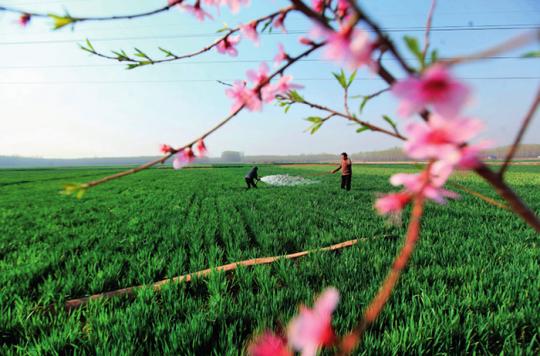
(310, 330)
(442, 140)
(185, 155)
(200, 13)
(252, 98)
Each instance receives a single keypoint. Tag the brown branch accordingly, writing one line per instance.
(351, 340)
(75, 303)
(310, 13)
(385, 40)
(98, 18)
(513, 43)
(280, 71)
(479, 195)
(352, 118)
(526, 121)
(428, 29)
(513, 200)
(173, 57)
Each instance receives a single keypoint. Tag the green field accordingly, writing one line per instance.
(473, 284)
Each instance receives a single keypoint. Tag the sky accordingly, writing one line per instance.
(57, 101)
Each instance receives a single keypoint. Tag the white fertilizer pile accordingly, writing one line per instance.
(286, 180)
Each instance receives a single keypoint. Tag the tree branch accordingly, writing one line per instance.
(97, 18)
(513, 43)
(351, 341)
(173, 57)
(526, 121)
(280, 71)
(352, 118)
(428, 29)
(513, 200)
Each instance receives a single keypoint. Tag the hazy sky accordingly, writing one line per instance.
(58, 101)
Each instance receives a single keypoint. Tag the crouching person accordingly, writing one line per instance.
(251, 177)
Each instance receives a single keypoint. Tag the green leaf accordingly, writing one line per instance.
(88, 48)
(314, 128)
(287, 108)
(351, 78)
(531, 54)
(363, 103)
(121, 56)
(141, 54)
(434, 56)
(414, 47)
(342, 80)
(362, 129)
(294, 96)
(74, 189)
(315, 119)
(390, 121)
(61, 21)
(167, 52)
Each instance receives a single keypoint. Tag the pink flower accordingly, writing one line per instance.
(318, 5)
(283, 86)
(312, 328)
(197, 11)
(259, 77)
(227, 45)
(468, 157)
(243, 96)
(350, 46)
(426, 186)
(234, 5)
(305, 41)
(392, 203)
(435, 87)
(342, 8)
(269, 344)
(201, 148)
(439, 138)
(24, 19)
(183, 157)
(250, 31)
(281, 55)
(279, 22)
(165, 149)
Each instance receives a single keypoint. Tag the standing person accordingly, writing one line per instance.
(346, 171)
(251, 177)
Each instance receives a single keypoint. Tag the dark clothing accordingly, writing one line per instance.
(250, 183)
(252, 174)
(346, 182)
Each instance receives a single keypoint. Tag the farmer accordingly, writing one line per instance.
(346, 171)
(251, 177)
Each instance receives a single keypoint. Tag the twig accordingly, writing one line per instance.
(513, 200)
(382, 37)
(352, 118)
(98, 18)
(513, 43)
(479, 195)
(428, 29)
(526, 121)
(310, 13)
(291, 61)
(173, 57)
(75, 303)
(351, 341)
(346, 100)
